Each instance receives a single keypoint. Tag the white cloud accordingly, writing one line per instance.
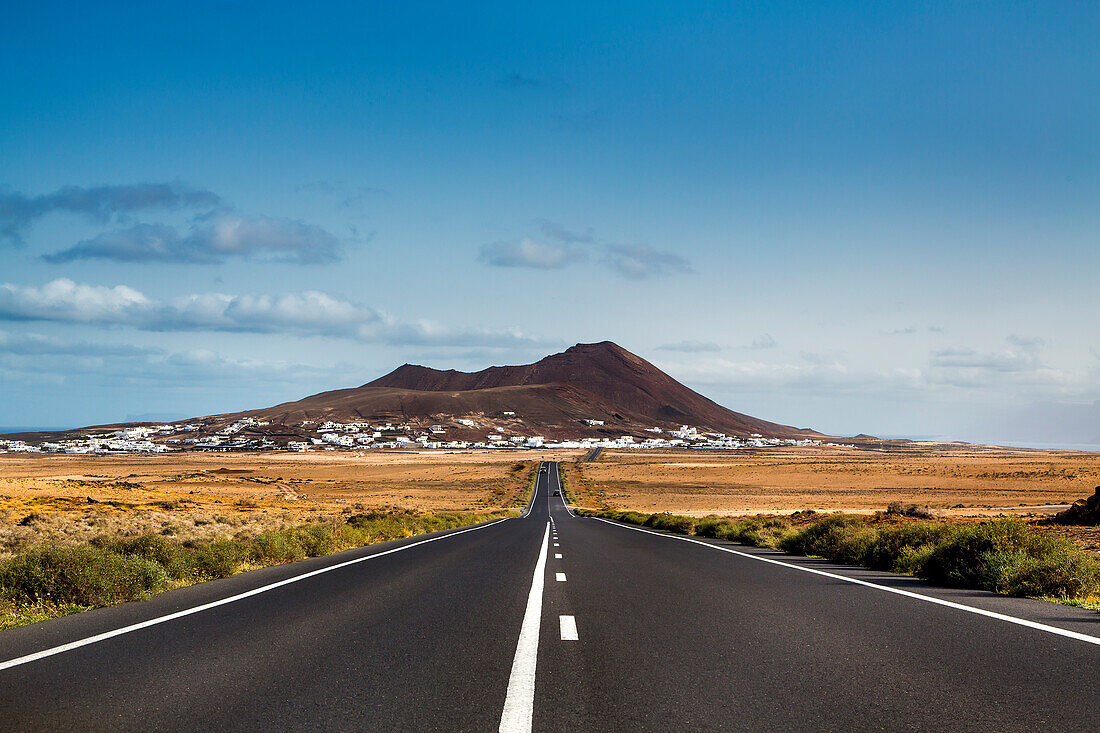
(642, 263)
(1003, 361)
(529, 253)
(309, 313)
(211, 241)
(631, 262)
(1027, 343)
(38, 345)
(691, 347)
(763, 341)
(556, 230)
(99, 203)
(824, 376)
(66, 301)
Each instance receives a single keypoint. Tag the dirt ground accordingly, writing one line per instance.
(71, 498)
(956, 482)
(952, 479)
(74, 498)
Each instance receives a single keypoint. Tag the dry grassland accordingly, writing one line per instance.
(951, 479)
(72, 498)
(200, 496)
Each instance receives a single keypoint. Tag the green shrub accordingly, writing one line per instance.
(1066, 575)
(904, 547)
(364, 520)
(272, 548)
(759, 531)
(1002, 555)
(977, 555)
(712, 527)
(838, 537)
(318, 540)
(218, 559)
(50, 581)
(85, 575)
(1006, 556)
(171, 556)
(671, 523)
(918, 512)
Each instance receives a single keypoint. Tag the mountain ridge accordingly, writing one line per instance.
(555, 396)
(595, 390)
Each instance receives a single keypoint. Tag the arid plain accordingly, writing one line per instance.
(194, 495)
(951, 478)
(73, 498)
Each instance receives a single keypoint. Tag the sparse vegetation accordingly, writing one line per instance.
(911, 510)
(1002, 555)
(566, 490)
(53, 580)
(582, 490)
(514, 491)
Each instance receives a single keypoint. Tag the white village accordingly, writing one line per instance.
(250, 434)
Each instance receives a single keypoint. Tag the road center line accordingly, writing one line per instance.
(568, 625)
(221, 602)
(519, 704)
(866, 584)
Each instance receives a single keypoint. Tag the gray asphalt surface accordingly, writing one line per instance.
(672, 636)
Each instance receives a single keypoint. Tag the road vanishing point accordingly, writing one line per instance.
(551, 622)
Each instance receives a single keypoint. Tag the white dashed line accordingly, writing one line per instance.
(557, 556)
(568, 626)
(560, 577)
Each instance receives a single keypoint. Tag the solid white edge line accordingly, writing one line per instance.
(568, 626)
(221, 602)
(564, 500)
(534, 493)
(898, 591)
(519, 704)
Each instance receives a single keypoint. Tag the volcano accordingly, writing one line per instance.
(587, 390)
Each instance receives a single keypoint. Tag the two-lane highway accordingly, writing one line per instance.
(678, 635)
(408, 635)
(552, 622)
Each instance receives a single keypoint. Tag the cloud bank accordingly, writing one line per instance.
(691, 347)
(528, 253)
(224, 237)
(642, 263)
(568, 247)
(19, 212)
(309, 313)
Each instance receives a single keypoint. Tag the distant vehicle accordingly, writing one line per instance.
(557, 493)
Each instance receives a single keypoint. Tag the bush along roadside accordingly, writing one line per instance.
(1000, 555)
(52, 580)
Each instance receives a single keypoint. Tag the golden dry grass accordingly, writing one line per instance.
(952, 479)
(72, 498)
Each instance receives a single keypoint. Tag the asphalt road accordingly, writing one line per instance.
(551, 622)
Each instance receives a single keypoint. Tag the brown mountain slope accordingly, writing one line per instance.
(552, 397)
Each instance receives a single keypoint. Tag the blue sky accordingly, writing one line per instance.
(861, 217)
